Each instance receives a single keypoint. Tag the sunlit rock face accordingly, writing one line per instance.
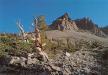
(87, 24)
(64, 23)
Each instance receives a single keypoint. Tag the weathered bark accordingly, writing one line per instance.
(23, 34)
(38, 43)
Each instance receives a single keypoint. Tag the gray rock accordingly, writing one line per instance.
(18, 60)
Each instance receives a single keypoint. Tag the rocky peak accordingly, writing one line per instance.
(87, 24)
(65, 16)
(64, 23)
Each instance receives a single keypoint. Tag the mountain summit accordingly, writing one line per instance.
(64, 23)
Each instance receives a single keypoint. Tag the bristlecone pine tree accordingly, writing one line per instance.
(38, 42)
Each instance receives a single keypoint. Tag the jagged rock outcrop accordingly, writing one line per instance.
(64, 23)
(87, 24)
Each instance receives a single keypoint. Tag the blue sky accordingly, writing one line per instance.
(24, 10)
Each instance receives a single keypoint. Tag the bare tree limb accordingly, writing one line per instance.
(23, 34)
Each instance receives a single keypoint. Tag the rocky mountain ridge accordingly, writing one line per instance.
(86, 24)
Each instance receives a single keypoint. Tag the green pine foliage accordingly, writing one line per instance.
(41, 23)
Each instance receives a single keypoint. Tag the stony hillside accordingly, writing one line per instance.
(73, 35)
(70, 53)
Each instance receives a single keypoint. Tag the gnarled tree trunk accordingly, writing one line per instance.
(38, 43)
(23, 34)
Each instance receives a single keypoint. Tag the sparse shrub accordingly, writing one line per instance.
(50, 45)
(95, 44)
(105, 55)
(2, 50)
(10, 45)
(82, 44)
(5, 40)
(88, 44)
(70, 47)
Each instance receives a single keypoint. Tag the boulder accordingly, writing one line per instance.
(18, 61)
